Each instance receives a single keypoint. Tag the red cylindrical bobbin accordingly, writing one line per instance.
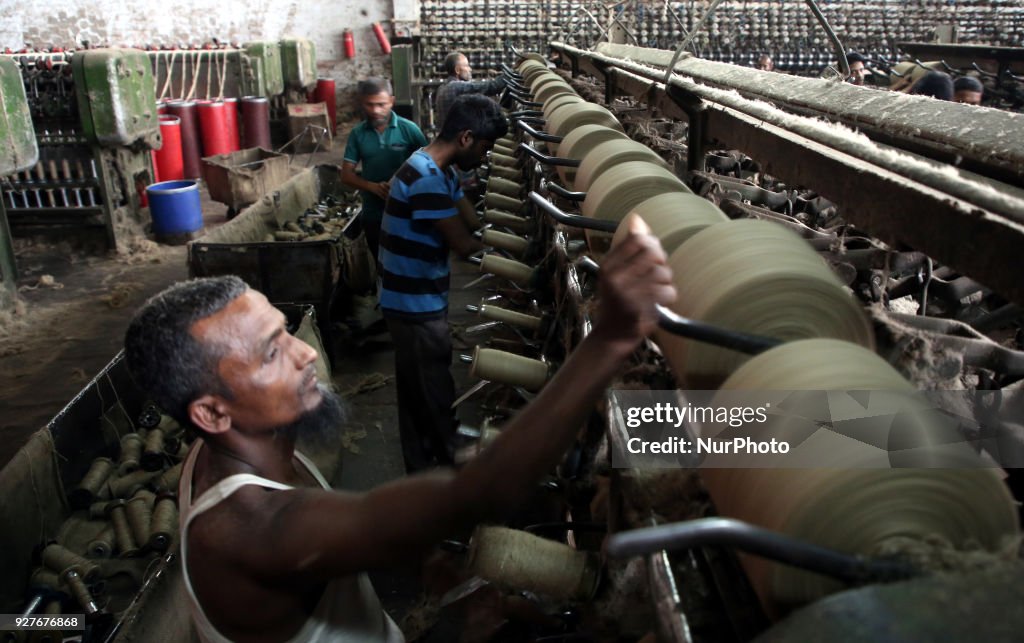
(256, 122)
(191, 151)
(170, 161)
(213, 125)
(231, 110)
(325, 93)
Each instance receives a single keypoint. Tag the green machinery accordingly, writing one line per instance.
(93, 116)
(19, 154)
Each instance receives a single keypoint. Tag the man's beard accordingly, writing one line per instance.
(318, 428)
(379, 122)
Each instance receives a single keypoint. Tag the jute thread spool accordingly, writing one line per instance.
(609, 154)
(760, 278)
(512, 317)
(498, 185)
(507, 150)
(126, 486)
(673, 218)
(504, 172)
(131, 451)
(44, 578)
(514, 271)
(521, 561)
(508, 368)
(502, 202)
(513, 243)
(168, 480)
(78, 590)
(91, 485)
(164, 522)
(59, 559)
(98, 510)
(139, 512)
(508, 220)
(126, 545)
(578, 143)
(504, 160)
(153, 451)
(846, 502)
(102, 546)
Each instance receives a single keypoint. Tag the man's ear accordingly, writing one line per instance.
(466, 139)
(209, 414)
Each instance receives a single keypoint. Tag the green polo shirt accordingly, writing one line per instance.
(381, 154)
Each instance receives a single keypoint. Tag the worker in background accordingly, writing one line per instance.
(937, 84)
(460, 81)
(858, 68)
(968, 90)
(765, 63)
(380, 143)
(269, 552)
(426, 217)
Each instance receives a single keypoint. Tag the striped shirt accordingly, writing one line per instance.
(413, 252)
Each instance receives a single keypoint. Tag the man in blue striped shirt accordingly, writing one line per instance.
(425, 218)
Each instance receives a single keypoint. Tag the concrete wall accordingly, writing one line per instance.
(140, 22)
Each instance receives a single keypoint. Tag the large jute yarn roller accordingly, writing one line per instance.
(760, 278)
(511, 317)
(516, 272)
(548, 90)
(568, 117)
(843, 504)
(503, 186)
(508, 368)
(610, 154)
(557, 101)
(673, 217)
(520, 561)
(507, 150)
(510, 242)
(578, 143)
(508, 220)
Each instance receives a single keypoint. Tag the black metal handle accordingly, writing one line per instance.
(574, 220)
(671, 322)
(555, 188)
(525, 113)
(511, 72)
(524, 124)
(760, 542)
(515, 85)
(548, 160)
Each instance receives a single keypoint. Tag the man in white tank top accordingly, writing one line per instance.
(270, 553)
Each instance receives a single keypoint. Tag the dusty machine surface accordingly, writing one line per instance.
(94, 154)
(809, 258)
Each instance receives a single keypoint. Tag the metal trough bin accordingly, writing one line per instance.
(239, 179)
(295, 272)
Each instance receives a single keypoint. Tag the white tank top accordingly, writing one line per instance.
(349, 610)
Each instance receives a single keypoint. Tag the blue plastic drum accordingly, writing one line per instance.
(175, 207)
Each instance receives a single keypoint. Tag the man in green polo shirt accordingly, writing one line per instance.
(381, 143)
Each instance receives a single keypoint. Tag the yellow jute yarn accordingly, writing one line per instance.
(508, 368)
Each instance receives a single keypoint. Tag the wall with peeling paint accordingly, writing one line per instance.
(138, 22)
